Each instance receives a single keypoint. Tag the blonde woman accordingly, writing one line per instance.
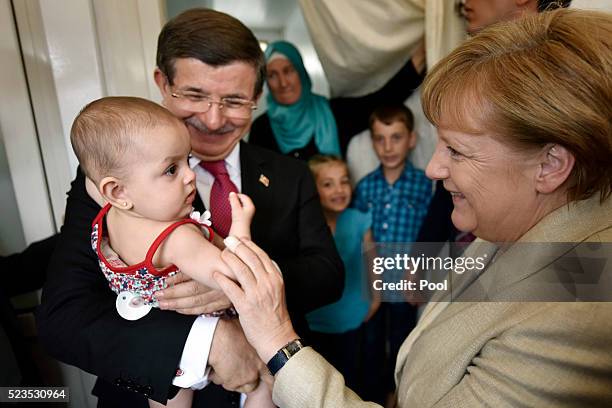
(523, 112)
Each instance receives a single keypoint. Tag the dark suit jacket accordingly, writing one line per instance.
(21, 273)
(77, 321)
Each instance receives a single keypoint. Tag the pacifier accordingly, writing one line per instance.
(131, 306)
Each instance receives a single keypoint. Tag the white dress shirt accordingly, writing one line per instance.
(194, 360)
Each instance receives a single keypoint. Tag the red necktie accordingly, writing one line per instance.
(221, 211)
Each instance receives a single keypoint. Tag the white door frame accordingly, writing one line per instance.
(74, 52)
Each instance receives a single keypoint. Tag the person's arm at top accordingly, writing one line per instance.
(352, 113)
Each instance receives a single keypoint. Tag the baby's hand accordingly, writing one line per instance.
(261, 397)
(243, 210)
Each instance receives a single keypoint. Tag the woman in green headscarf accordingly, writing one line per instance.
(301, 123)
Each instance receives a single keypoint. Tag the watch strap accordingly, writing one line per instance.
(284, 354)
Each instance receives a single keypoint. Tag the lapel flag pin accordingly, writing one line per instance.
(264, 180)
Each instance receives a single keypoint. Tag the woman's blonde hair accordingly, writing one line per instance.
(543, 79)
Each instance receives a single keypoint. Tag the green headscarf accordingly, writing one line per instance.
(294, 125)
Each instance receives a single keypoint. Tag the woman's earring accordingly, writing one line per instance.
(125, 204)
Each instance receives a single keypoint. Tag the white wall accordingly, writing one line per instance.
(11, 233)
(297, 33)
(62, 66)
(60, 55)
(603, 5)
(23, 177)
(75, 52)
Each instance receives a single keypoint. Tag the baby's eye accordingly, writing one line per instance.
(171, 171)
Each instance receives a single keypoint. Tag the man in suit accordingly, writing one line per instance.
(208, 66)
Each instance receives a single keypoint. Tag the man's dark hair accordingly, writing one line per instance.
(388, 114)
(544, 5)
(215, 38)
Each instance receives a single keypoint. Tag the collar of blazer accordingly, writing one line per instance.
(583, 221)
(529, 264)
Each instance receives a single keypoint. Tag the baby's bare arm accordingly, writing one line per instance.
(193, 254)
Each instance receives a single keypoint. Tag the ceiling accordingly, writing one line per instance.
(261, 15)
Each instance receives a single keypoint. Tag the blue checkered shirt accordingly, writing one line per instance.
(397, 209)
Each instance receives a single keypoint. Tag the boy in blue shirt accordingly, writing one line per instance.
(397, 195)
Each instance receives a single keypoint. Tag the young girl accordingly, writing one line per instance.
(136, 154)
(336, 327)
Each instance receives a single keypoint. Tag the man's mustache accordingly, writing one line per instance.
(196, 123)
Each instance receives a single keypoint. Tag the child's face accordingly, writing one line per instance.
(160, 183)
(392, 143)
(334, 186)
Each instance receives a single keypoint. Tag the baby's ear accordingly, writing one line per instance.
(113, 191)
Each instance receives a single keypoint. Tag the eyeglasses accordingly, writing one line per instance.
(236, 108)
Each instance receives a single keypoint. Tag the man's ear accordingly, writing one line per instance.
(114, 192)
(161, 80)
(556, 165)
(256, 99)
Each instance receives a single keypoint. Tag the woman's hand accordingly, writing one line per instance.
(187, 296)
(260, 298)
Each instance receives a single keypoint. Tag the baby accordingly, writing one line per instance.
(136, 153)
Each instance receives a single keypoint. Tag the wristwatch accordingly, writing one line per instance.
(284, 354)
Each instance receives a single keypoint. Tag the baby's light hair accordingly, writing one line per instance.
(103, 133)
